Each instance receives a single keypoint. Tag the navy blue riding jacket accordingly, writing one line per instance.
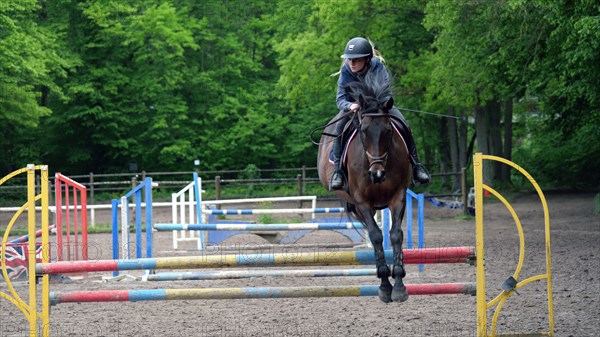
(344, 100)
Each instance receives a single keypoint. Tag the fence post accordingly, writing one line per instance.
(92, 200)
(299, 183)
(51, 191)
(465, 192)
(299, 180)
(303, 178)
(218, 189)
(143, 175)
(37, 184)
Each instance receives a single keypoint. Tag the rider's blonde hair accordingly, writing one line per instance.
(376, 53)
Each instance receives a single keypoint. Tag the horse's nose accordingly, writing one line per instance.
(377, 176)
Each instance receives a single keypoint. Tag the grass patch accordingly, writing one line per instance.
(100, 229)
(105, 228)
(15, 231)
(464, 217)
(265, 219)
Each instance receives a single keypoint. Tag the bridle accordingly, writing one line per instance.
(373, 160)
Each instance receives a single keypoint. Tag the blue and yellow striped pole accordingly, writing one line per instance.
(321, 258)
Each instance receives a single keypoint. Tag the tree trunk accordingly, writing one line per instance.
(495, 136)
(508, 113)
(45, 91)
(422, 144)
(463, 153)
(444, 151)
(482, 125)
(453, 142)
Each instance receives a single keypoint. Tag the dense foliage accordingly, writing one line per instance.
(96, 85)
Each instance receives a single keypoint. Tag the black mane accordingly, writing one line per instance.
(375, 88)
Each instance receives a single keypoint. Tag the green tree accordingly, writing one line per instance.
(126, 101)
(30, 63)
(230, 92)
(563, 92)
(467, 72)
(97, 84)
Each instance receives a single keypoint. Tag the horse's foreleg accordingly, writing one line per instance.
(399, 292)
(383, 271)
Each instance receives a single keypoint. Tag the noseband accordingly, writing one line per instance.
(373, 160)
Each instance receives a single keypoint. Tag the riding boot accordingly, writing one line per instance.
(337, 180)
(420, 173)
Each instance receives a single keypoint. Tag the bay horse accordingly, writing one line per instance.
(378, 174)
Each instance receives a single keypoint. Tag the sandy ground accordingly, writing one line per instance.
(575, 239)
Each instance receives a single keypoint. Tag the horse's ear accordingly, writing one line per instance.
(389, 104)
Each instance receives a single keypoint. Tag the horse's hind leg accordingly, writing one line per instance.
(399, 292)
(376, 237)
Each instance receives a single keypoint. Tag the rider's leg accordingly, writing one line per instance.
(420, 173)
(337, 180)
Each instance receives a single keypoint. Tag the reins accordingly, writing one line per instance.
(323, 127)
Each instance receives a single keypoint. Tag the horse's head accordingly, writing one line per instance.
(375, 134)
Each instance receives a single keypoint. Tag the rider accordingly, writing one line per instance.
(358, 61)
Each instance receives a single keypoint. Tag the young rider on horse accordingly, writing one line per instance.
(358, 61)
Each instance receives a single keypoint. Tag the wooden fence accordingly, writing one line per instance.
(215, 182)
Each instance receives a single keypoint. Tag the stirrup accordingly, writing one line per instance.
(420, 174)
(337, 180)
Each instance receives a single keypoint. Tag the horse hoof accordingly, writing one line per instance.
(400, 295)
(385, 295)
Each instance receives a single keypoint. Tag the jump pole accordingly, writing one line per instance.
(25, 238)
(181, 227)
(246, 293)
(280, 247)
(259, 227)
(189, 208)
(364, 257)
(273, 211)
(238, 274)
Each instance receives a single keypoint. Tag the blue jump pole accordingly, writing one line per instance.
(259, 227)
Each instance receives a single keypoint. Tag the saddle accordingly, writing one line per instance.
(346, 138)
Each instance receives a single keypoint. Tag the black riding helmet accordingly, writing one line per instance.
(358, 47)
